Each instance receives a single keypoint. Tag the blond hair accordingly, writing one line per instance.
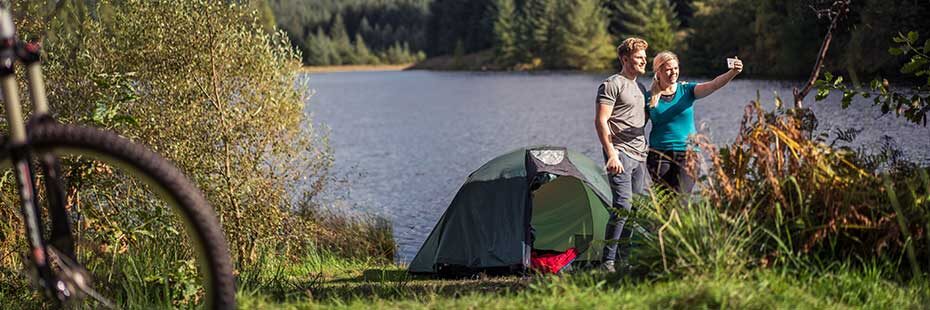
(630, 46)
(657, 64)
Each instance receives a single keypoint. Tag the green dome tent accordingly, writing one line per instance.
(544, 198)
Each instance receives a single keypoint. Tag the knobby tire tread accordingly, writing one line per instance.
(192, 204)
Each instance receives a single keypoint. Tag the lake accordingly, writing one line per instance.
(405, 141)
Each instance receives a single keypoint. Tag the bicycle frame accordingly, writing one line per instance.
(11, 51)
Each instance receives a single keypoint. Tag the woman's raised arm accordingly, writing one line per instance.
(705, 89)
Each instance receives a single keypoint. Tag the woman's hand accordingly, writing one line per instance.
(737, 65)
(705, 89)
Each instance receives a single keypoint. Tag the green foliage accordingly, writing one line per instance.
(400, 53)
(207, 87)
(381, 25)
(789, 34)
(693, 237)
(535, 29)
(655, 21)
(265, 14)
(553, 35)
(505, 34)
(362, 54)
(472, 22)
(321, 50)
(759, 32)
(815, 202)
(913, 103)
(579, 39)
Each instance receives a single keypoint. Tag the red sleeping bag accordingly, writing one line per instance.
(544, 261)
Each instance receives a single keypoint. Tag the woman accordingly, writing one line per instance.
(670, 110)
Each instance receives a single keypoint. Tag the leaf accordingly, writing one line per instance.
(839, 79)
(822, 93)
(847, 98)
(912, 36)
(827, 76)
(913, 65)
(900, 38)
(926, 46)
(896, 51)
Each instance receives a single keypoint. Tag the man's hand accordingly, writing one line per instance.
(614, 166)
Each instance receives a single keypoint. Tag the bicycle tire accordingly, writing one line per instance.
(203, 226)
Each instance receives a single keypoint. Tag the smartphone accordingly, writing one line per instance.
(731, 62)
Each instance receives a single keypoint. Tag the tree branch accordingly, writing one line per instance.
(837, 11)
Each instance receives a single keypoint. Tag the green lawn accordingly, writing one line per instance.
(362, 285)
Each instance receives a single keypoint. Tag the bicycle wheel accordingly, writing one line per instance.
(120, 198)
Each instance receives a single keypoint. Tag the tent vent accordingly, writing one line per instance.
(549, 157)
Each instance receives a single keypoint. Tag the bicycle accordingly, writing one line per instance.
(57, 255)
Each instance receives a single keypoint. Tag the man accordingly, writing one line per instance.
(620, 122)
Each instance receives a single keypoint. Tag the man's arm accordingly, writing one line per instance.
(705, 89)
(603, 134)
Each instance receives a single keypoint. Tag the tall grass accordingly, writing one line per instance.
(779, 197)
(693, 237)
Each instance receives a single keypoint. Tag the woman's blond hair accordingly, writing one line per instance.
(657, 63)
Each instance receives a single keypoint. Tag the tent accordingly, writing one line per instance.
(544, 198)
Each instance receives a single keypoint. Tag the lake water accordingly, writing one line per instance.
(405, 141)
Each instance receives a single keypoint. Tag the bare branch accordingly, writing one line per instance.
(838, 10)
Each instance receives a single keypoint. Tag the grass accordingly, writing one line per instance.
(354, 285)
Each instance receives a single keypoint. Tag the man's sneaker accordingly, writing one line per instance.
(608, 266)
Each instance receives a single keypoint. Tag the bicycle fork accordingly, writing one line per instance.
(21, 155)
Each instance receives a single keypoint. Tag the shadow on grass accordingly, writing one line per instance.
(396, 284)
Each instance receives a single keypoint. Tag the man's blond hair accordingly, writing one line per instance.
(630, 46)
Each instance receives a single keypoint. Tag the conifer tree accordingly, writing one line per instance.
(504, 33)
(321, 50)
(340, 40)
(362, 55)
(580, 39)
(534, 28)
(653, 20)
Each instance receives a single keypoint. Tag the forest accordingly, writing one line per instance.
(581, 34)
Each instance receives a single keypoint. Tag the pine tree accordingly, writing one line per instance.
(504, 33)
(320, 50)
(340, 39)
(580, 39)
(534, 29)
(653, 20)
(364, 28)
(458, 54)
(362, 55)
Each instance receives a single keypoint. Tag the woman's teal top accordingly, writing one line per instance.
(673, 120)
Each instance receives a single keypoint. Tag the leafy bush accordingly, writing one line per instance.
(813, 200)
(205, 85)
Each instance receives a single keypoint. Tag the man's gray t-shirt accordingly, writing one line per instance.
(628, 120)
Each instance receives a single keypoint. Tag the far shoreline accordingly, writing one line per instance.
(355, 68)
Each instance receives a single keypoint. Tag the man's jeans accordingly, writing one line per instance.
(631, 181)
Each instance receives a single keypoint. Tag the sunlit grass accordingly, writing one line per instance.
(839, 286)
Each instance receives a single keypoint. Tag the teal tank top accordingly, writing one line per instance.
(673, 121)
